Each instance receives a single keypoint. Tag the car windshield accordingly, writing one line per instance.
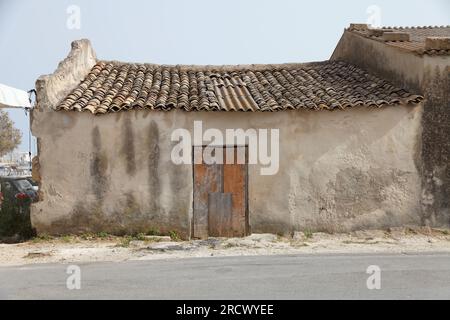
(23, 185)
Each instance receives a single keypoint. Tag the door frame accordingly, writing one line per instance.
(247, 228)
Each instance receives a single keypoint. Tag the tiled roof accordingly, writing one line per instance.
(116, 86)
(417, 37)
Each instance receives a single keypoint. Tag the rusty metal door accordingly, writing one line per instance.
(220, 196)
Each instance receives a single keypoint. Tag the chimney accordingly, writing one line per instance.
(395, 36)
(437, 43)
(378, 32)
(358, 26)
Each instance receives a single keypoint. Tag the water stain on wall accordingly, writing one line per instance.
(131, 209)
(128, 149)
(98, 166)
(153, 167)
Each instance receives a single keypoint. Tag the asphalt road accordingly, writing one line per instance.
(424, 276)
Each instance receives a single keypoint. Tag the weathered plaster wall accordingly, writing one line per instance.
(436, 141)
(339, 170)
(428, 75)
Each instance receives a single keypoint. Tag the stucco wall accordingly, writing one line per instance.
(436, 141)
(339, 170)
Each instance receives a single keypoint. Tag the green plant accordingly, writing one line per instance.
(103, 235)
(280, 235)
(66, 238)
(174, 235)
(140, 236)
(10, 137)
(87, 236)
(153, 232)
(125, 242)
(308, 233)
(15, 223)
(42, 237)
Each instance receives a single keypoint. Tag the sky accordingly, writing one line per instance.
(36, 35)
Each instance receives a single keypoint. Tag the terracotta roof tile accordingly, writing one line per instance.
(116, 86)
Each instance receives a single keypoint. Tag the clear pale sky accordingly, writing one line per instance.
(34, 35)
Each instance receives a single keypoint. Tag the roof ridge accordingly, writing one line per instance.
(225, 67)
(414, 27)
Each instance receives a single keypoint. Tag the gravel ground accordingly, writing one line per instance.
(72, 249)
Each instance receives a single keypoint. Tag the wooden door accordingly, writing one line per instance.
(220, 197)
(220, 214)
(235, 182)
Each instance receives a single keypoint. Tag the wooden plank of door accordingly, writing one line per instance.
(234, 179)
(219, 217)
(207, 178)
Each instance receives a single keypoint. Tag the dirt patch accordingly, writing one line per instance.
(78, 249)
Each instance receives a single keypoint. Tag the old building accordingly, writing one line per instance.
(358, 141)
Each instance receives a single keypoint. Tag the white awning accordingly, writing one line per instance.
(13, 98)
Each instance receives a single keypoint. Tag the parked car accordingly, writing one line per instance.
(16, 191)
(34, 184)
(16, 195)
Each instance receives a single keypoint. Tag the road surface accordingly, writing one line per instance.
(425, 276)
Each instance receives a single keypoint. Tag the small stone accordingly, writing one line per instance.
(299, 236)
(397, 232)
(245, 243)
(369, 234)
(262, 237)
(136, 243)
(169, 246)
(37, 254)
(157, 238)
